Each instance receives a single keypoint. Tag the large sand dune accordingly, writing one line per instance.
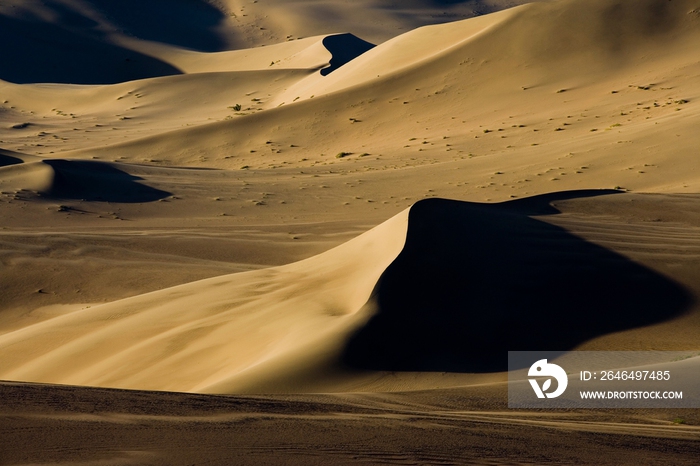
(325, 196)
(444, 286)
(195, 336)
(538, 98)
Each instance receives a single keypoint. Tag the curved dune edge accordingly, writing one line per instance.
(24, 172)
(468, 75)
(208, 335)
(286, 328)
(409, 51)
(433, 297)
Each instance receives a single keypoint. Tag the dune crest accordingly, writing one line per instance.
(508, 72)
(341, 216)
(493, 108)
(373, 304)
(195, 336)
(396, 55)
(338, 217)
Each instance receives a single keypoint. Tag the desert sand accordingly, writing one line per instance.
(286, 223)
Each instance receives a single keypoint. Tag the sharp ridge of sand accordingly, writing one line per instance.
(407, 296)
(134, 342)
(490, 47)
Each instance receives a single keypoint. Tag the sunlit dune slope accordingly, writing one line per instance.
(103, 42)
(217, 86)
(197, 335)
(541, 98)
(523, 87)
(445, 286)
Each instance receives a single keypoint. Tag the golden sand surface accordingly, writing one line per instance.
(310, 231)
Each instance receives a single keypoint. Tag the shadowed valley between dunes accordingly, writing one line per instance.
(355, 208)
(475, 281)
(445, 286)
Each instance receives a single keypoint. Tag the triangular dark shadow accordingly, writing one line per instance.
(475, 281)
(6, 160)
(343, 48)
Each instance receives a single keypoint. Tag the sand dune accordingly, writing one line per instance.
(524, 121)
(374, 199)
(490, 108)
(540, 98)
(372, 304)
(112, 43)
(237, 323)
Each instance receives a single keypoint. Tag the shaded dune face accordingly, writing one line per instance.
(6, 160)
(445, 286)
(92, 60)
(343, 48)
(81, 50)
(97, 181)
(190, 24)
(476, 280)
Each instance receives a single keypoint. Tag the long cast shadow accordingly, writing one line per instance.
(69, 57)
(97, 181)
(475, 281)
(73, 48)
(190, 24)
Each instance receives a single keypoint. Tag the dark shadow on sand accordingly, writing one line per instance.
(6, 160)
(75, 49)
(68, 58)
(97, 181)
(475, 281)
(343, 48)
(190, 24)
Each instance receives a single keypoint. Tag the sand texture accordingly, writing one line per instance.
(372, 200)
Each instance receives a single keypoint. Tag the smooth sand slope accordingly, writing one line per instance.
(540, 90)
(446, 286)
(319, 196)
(327, 136)
(100, 41)
(199, 336)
